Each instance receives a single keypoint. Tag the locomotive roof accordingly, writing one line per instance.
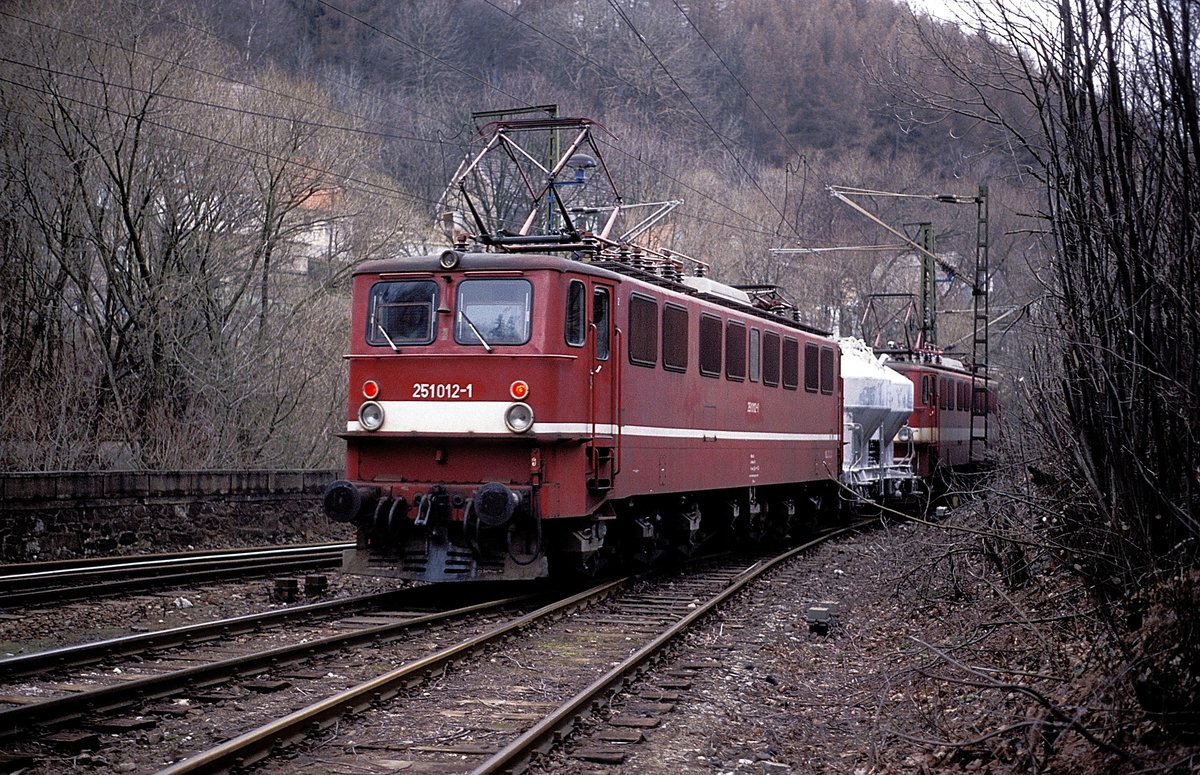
(916, 360)
(611, 269)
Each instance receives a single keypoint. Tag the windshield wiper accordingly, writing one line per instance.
(475, 330)
(383, 331)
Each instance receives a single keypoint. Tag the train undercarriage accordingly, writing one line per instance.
(449, 534)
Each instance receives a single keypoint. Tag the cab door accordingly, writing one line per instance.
(604, 390)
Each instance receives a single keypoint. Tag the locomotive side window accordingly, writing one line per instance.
(643, 330)
(827, 370)
(576, 331)
(755, 354)
(710, 346)
(492, 312)
(983, 401)
(401, 312)
(735, 351)
(600, 314)
(926, 391)
(791, 363)
(674, 338)
(770, 366)
(812, 367)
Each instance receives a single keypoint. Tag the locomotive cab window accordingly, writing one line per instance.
(401, 312)
(576, 314)
(492, 312)
(600, 318)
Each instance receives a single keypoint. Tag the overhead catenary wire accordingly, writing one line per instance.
(843, 193)
(418, 49)
(749, 95)
(225, 77)
(720, 138)
(367, 185)
(213, 105)
(751, 222)
(683, 213)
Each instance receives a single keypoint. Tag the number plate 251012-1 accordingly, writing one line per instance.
(442, 390)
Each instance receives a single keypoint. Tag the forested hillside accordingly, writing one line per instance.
(195, 179)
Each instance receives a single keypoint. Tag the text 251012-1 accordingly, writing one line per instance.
(442, 390)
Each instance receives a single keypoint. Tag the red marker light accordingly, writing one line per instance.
(370, 389)
(519, 389)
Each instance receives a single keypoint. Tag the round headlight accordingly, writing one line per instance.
(449, 259)
(905, 434)
(370, 415)
(518, 418)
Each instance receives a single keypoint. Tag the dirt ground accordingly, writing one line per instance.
(950, 652)
(937, 662)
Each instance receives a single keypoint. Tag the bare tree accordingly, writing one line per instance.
(175, 237)
(1099, 101)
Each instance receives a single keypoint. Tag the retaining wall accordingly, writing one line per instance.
(61, 515)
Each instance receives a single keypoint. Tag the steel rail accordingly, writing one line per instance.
(113, 567)
(542, 735)
(58, 710)
(257, 744)
(210, 572)
(45, 567)
(89, 653)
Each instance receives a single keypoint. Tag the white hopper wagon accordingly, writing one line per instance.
(878, 402)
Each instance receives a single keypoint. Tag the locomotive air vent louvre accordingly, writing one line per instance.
(459, 562)
(414, 560)
(491, 562)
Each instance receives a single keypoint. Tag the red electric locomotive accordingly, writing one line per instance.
(951, 410)
(511, 415)
(514, 412)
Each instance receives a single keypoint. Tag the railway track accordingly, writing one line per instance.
(69, 709)
(482, 693)
(33, 584)
(478, 685)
